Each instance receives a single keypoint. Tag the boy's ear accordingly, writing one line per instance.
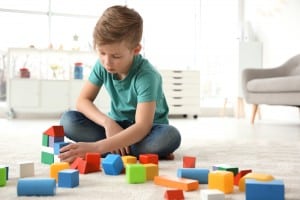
(137, 49)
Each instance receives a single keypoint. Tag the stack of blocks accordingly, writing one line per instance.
(52, 141)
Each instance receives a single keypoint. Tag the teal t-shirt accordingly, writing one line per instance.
(142, 84)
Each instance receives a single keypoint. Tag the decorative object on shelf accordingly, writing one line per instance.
(24, 72)
(54, 69)
(78, 70)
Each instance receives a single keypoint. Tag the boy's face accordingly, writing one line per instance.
(117, 58)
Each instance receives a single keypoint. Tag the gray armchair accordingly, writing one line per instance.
(272, 86)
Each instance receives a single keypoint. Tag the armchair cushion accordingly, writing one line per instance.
(274, 85)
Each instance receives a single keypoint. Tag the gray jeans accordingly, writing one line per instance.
(162, 140)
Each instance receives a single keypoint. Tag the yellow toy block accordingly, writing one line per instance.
(256, 176)
(151, 171)
(221, 180)
(56, 167)
(129, 160)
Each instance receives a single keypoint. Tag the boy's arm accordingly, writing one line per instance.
(143, 123)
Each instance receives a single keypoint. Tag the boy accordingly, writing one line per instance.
(138, 119)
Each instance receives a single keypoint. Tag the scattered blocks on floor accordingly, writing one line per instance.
(240, 175)
(3, 176)
(211, 194)
(93, 162)
(178, 183)
(255, 176)
(135, 173)
(36, 187)
(148, 158)
(56, 167)
(112, 164)
(68, 178)
(262, 190)
(221, 180)
(151, 171)
(26, 169)
(189, 162)
(174, 195)
(199, 174)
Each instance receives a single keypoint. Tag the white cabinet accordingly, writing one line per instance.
(182, 90)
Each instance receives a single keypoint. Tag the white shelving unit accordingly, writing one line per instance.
(182, 90)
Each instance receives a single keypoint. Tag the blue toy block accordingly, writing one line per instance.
(68, 178)
(199, 174)
(112, 164)
(53, 140)
(58, 146)
(262, 190)
(36, 187)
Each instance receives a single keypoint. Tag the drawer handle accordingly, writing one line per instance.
(177, 97)
(177, 83)
(177, 71)
(177, 90)
(177, 77)
(177, 105)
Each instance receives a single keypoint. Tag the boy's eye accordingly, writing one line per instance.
(116, 56)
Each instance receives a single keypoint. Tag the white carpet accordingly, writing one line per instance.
(280, 159)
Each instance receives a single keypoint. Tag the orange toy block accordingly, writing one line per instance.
(240, 175)
(93, 162)
(189, 162)
(174, 195)
(221, 180)
(148, 158)
(55, 131)
(129, 160)
(178, 183)
(151, 171)
(56, 167)
(255, 176)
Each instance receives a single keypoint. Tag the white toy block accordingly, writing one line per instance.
(26, 169)
(211, 194)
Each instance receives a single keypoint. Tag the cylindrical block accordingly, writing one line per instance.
(194, 173)
(36, 187)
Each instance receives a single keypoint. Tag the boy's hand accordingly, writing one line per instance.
(70, 152)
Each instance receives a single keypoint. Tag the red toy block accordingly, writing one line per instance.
(75, 163)
(240, 175)
(148, 158)
(55, 131)
(93, 162)
(178, 183)
(189, 162)
(82, 167)
(174, 195)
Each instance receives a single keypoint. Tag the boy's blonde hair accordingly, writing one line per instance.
(118, 24)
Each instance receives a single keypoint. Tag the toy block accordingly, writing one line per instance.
(129, 160)
(47, 158)
(173, 195)
(261, 190)
(112, 164)
(36, 187)
(135, 173)
(178, 183)
(240, 175)
(55, 131)
(3, 176)
(221, 180)
(82, 167)
(93, 162)
(53, 140)
(151, 171)
(211, 194)
(26, 169)
(148, 158)
(189, 162)
(68, 178)
(255, 176)
(7, 170)
(226, 167)
(75, 163)
(58, 145)
(56, 167)
(45, 140)
(201, 175)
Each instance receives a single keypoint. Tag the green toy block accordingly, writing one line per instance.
(135, 173)
(47, 158)
(45, 140)
(225, 167)
(2, 176)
